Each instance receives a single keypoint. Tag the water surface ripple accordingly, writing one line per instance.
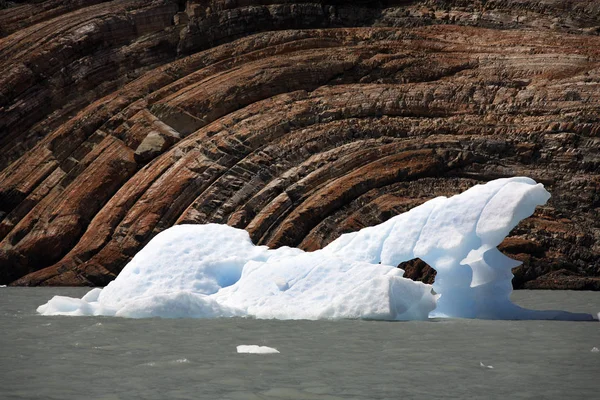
(116, 358)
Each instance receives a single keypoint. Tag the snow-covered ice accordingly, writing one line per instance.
(254, 349)
(206, 271)
(485, 366)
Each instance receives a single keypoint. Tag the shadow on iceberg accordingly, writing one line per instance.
(208, 271)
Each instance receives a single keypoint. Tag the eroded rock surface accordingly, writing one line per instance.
(295, 121)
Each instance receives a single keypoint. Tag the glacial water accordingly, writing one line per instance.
(115, 358)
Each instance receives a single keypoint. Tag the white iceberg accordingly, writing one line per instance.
(206, 271)
(254, 349)
(482, 365)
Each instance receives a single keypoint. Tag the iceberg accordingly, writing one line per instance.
(209, 271)
(255, 349)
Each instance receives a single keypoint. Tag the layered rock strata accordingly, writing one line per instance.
(295, 121)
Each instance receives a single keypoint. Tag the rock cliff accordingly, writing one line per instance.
(297, 121)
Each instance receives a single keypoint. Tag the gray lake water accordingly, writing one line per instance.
(116, 358)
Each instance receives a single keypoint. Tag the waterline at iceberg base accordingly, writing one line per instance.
(208, 271)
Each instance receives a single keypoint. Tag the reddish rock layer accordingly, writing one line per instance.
(120, 119)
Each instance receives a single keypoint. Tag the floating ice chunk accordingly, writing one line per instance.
(595, 350)
(207, 271)
(254, 349)
(485, 366)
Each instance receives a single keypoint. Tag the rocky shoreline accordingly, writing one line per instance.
(295, 121)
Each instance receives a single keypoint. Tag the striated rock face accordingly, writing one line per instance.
(297, 121)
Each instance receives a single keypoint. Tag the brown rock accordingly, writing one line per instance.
(418, 270)
(153, 145)
(565, 280)
(122, 118)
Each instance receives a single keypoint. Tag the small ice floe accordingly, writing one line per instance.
(2, 285)
(595, 350)
(180, 361)
(485, 366)
(254, 349)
